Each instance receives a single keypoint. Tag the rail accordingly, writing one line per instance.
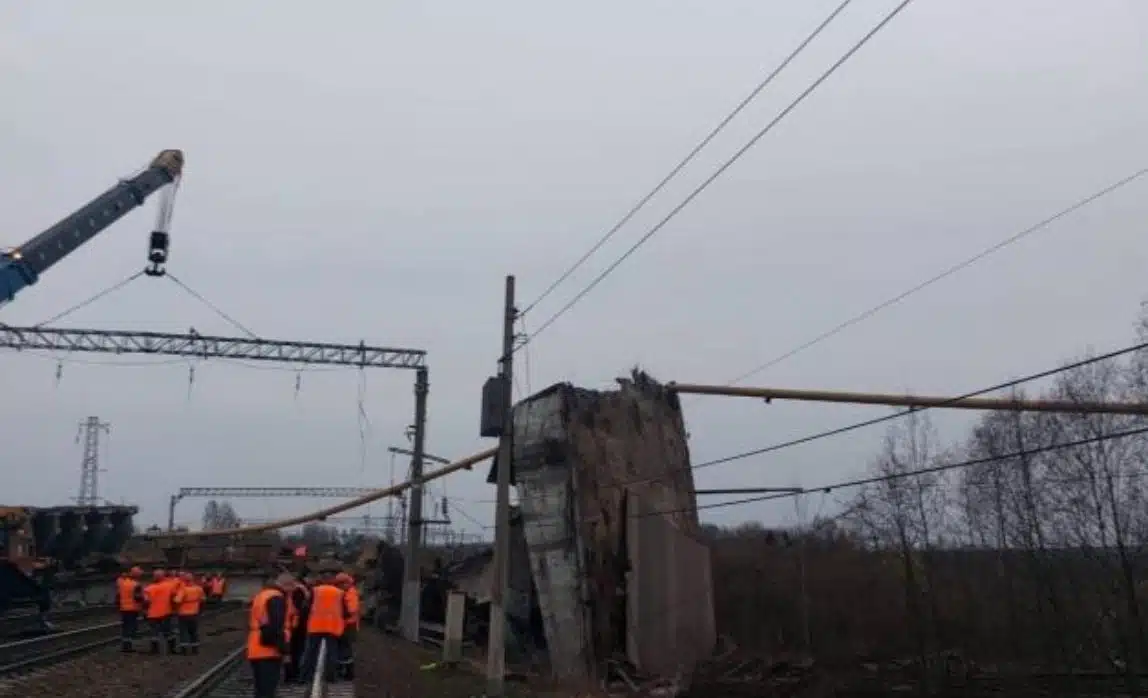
(38, 652)
(22, 623)
(215, 680)
(226, 679)
(318, 685)
(45, 650)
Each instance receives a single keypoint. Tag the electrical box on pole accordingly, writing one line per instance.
(494, 394)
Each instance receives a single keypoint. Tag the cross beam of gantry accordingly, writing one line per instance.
(347, 492)
(195, 345)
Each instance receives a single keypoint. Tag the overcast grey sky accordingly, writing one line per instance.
(372, 171)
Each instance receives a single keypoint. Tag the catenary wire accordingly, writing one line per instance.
(865, 315)
(462, 512)
(902, 413)
(860, 482)
(718, 173)
(227, 361)
(896, 415)
(235, 323)
(689, 157)
(91, 299)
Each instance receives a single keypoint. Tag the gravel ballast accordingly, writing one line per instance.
(109, 673)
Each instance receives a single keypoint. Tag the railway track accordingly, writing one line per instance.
(38, 652)
(46, 650)
(15, 625)
(231, 678)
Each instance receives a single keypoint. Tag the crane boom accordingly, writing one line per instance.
(22, 266)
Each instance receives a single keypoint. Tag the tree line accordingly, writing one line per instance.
(1032, 558)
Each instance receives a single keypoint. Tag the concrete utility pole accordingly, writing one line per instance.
(90, 466)
(496, 644)
(412, 585)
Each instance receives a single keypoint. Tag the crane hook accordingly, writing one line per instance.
(157, 253)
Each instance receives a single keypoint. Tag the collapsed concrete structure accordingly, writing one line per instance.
(608, 514)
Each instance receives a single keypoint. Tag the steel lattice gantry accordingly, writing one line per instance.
(208, 347)
(195, 345)
(275, 492)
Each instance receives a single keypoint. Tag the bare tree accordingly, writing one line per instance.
(219, 516)
(904, 512)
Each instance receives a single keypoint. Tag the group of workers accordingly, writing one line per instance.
(292, 621)
(295, 621)
(170, 604)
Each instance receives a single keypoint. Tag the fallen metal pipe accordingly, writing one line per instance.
(919, 401)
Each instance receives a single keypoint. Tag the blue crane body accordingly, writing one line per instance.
(22, 266)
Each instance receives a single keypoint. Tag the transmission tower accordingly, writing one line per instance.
(90, 430)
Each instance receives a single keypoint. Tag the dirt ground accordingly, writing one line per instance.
(388, 667)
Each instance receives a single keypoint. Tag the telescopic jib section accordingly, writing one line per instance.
(22, 266)
(916, 401)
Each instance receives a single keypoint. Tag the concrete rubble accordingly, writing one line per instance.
(608, 560)
(610, 580)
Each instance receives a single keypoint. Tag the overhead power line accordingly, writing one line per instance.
(719, 172)
(689, 157)
(860, 482)
(865, 315)
(902, 413)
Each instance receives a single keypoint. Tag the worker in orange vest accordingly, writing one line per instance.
(158, 608)
(325, 625)
(346, 643)
(188, 601)
(267, 635)
(130, 601)
(299, 604)
(216, 588)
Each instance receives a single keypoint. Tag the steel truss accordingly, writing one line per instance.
(347, 492)
(208, 347)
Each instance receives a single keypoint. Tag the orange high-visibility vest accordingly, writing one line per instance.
(189, 599)
(354, 607)
(126, 592)
(327, 617)
(217, 584)
(257, 619)
(158, 595)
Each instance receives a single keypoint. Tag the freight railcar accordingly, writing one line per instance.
(47, 551)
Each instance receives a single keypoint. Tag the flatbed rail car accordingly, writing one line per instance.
(47, 550)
